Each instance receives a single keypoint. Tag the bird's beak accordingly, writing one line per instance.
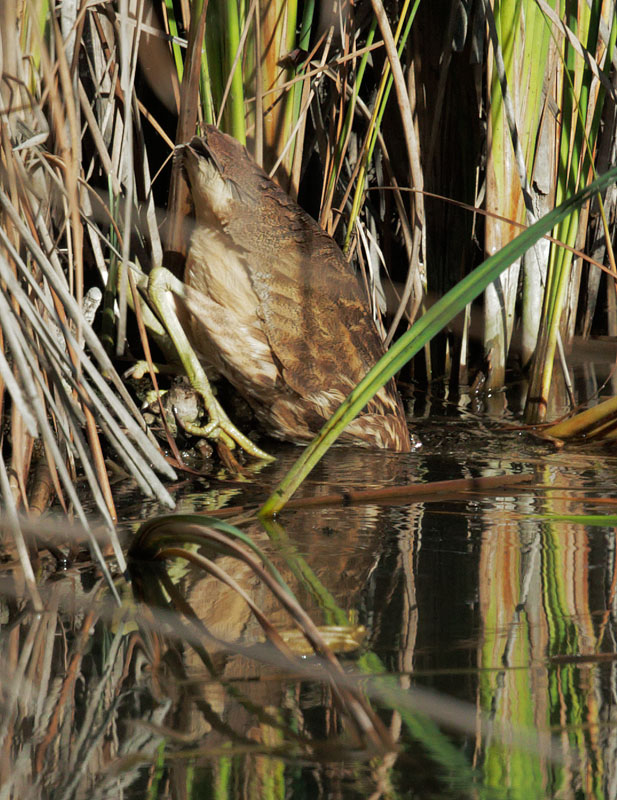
(198, 147)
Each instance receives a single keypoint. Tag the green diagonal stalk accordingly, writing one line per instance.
(305, 575)
(420, 334)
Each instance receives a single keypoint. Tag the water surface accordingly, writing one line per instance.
(493, 617)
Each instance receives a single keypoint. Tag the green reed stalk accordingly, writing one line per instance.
(519, 48)
(383, 94)
(581, 123)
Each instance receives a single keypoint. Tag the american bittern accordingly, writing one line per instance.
(273, 306)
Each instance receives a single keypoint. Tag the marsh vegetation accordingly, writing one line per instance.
(463, 157)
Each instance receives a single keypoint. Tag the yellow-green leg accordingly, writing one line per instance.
(160, 286)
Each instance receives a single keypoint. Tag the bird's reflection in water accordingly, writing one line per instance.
(327, 557)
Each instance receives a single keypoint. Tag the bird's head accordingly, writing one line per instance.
(214, 164)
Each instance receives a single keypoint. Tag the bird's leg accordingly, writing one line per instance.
(160, 287)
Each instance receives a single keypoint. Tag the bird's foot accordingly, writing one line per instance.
(140, 369)
(160, 287)
(221, 427)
